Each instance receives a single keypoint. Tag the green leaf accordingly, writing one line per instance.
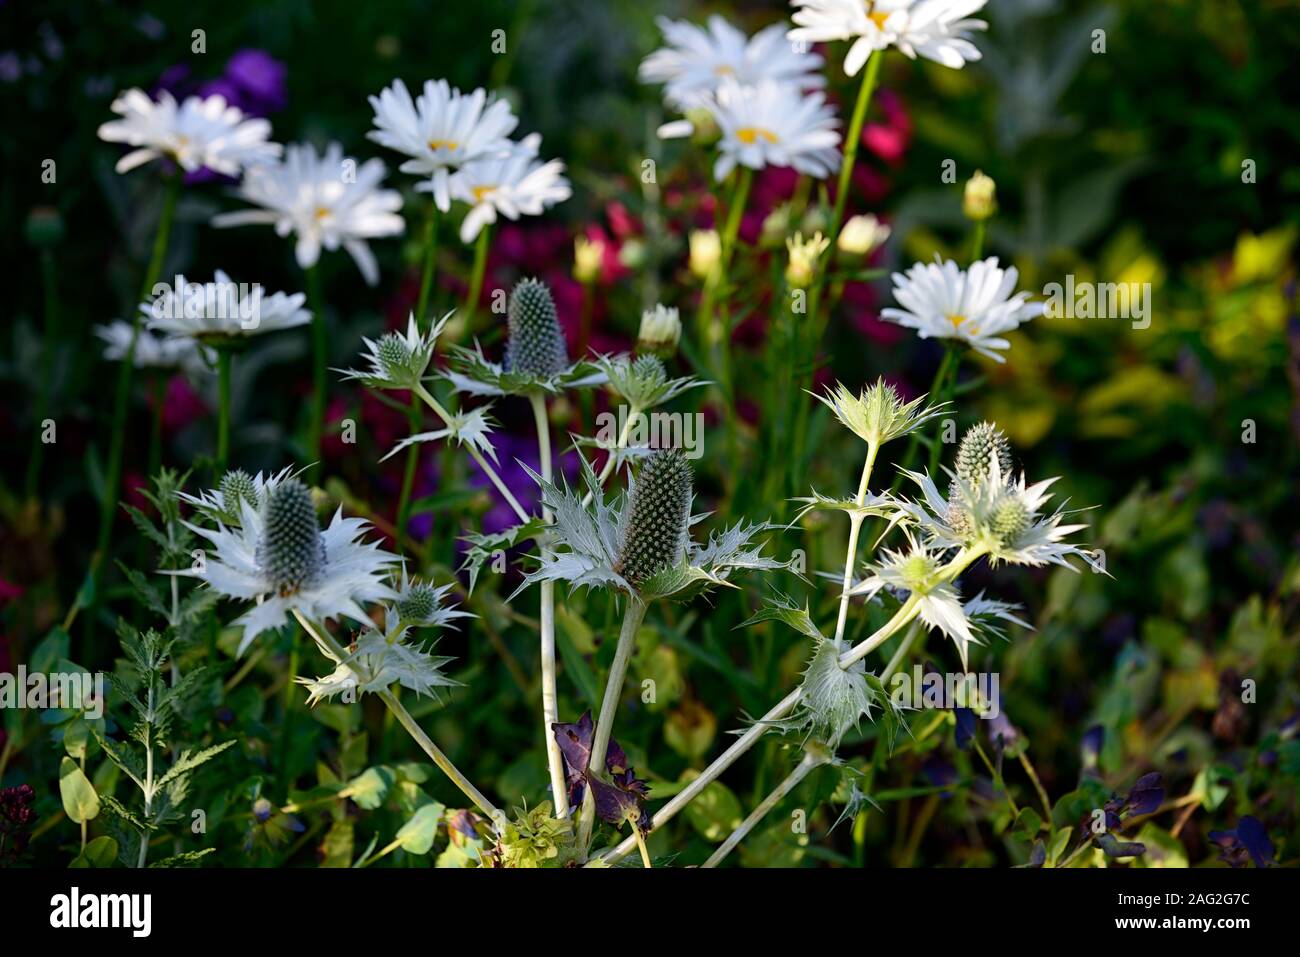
(187, 762)
(79, 798)
(123, 758)
(781, 608)
(1028, 823)
(416, 836)
(75, 736)
(715, 813)
(337, 846)
(369, 788)
(101, 852)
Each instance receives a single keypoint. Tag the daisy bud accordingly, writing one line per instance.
(704, 126)
(981, 447)
(803, 258)
(980, 201)
(536, 344)
(861, 235)
(291, 553)
(588, 257)
(659, 516)
(236, 487)
(661, 328)
(776, 226)
(706, 253)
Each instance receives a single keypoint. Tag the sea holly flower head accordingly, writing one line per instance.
(326, 200)
(938, 30)
(769, 124)
(878, 413)
(278, 557)
(441, 130)
(222, 313)
(512, 185)
(536, 359)
(225, 504)
(198, 133)
(643, 382)
(381, 658)
(696, 59)
(975, 306)
(652, 556)
(398, 360)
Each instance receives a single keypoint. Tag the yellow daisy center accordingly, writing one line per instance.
(875, 16)
(749, 135)
(443, 144)
(480, 192)
(723, 69)
(956, 319)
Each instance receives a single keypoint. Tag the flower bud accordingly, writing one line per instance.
(535, 343)
(980, 199)
(661, 328)
(418, 602)
(237, 487)
(588, 258)
(291, 552)
(804, 255)
(706, 253)
(982, 447)
(862, 234)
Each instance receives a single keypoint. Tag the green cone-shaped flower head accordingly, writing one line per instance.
(418, 602)
(236, 487)
(658, 516)
(290, 553)
(980, 448)
(536, 342)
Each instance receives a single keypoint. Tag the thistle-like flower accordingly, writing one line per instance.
(279, 557)
(695, 60)
(975, 306)
(326, 200)
(643, 382)
(643, 549)
(441, 130)
(379, 659)
(222, 312)
(536, 358)
(990, 509)
(878, 413)
(397, 360)
(201, 132)
(225, 504)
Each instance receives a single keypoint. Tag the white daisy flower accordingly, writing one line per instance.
(324, 200)
(199, 132)
(279, 558)
(518, 184)
(152, 352)
(696, 60)
(441, 130)
(771, 124)
(222, 311)
(935, 29)
(975, 306)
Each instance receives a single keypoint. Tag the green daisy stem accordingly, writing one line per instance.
(913, 443)
(413, 413)
(851, 552)
(224, 360)
(49, 286)
(476, 455)
(806, 766)
(326, 640)
(117, 438)
(977, 240)
(632, 619)
(945, 386)
(319, 351)
(550, 701)
(476, 275)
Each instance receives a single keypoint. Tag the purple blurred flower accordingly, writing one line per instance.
(1248, 842)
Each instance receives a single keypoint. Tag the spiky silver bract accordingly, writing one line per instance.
(657, 520)
(588, 543)
(878, 413)
(223, 504)
(535, 344)
(643, 383)
(398, 360)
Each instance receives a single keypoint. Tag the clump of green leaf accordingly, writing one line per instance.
(535, 838)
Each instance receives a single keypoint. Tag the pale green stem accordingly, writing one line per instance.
(550, 702)
(632, 619)
(476, 275)
(326, 642)
(792, 781)
(223, 409)
(608, 467)
(851, 552)
(475, 454)
(319, 351)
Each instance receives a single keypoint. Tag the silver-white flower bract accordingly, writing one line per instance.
(222, 311)
(770, 124)
(588, 540)
(352, 573)
(398, 360)
(516, 184)
(474, 374)
(198, 133)
(153, 352)
(326, 201)
(975, 306)
(467, 427)
(697, 59)
(223, 504)
(878, 414)
(935, 29)
(643, 383)
(441, 130)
